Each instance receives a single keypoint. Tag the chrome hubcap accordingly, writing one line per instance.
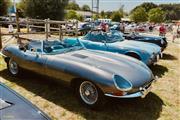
(13, 67)
(88, 92)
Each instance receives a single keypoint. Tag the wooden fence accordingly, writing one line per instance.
(49, 27)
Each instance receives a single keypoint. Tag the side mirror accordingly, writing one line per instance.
(22, 48)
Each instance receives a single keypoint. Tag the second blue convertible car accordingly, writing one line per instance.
(113, 41)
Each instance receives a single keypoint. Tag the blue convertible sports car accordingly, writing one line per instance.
(91, 74)
(160, 41)
(113, 41)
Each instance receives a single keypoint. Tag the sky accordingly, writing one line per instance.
(110, 5)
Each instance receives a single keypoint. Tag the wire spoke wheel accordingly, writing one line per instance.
(13, 67)
(88, 92)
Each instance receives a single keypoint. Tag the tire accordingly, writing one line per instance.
(90, 95)
(13, 68)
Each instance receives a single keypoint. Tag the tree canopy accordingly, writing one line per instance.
(139, 15)
(146, 5)
(116, 16)
(86, 8)
(171, 11)
(72, 6)
(71, 14)
(156, 15)
(42, 9)
(4, 4)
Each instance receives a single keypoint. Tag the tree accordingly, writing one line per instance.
(116, 16)
(71, 14)
(102, 14)
(86, 8)
(80, 17)
(21, 6)
(72, 6)
(146, 5)
(4, 4)
(139, 15)
(42, 9)
(156, 15)
(171, 11)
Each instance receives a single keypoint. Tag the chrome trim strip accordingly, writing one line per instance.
(137, 94)
(142, 93)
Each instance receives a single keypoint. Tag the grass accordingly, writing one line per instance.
(163, 103)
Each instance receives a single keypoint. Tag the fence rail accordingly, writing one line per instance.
(41, 24)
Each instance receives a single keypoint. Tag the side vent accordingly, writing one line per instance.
(80, 56)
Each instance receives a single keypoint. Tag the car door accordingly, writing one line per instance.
(34, 61)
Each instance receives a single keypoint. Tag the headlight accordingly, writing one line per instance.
(121, 83)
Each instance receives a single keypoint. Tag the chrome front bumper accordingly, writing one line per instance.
(141, 93)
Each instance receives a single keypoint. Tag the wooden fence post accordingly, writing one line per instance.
(46, 28)
(18, 27)
(60, 32)
(27, 25)
(0, 39)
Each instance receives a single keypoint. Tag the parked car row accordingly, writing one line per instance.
(97, 65)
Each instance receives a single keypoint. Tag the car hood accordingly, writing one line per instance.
(15, 107)
(149, 47)
(111, 63)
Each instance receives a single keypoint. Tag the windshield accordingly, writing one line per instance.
(57, 47)
(53, 46)
(100, 36)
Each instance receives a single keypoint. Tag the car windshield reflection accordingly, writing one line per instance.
(57, 47)
(100, 36)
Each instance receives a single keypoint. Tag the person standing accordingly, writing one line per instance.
(162, 30)
(175, 32)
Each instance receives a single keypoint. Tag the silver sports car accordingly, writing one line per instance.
(92, 74)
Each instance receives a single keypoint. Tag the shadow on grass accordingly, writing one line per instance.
(148, 108)
(159, 70)
(168, 57)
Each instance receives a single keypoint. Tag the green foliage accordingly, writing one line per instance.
(80, 17)
(146, 5)
(21, 6)
(71, 14)
(72, 6)
(139, 15)
(86, 8)
(95, 17)
(156, 15)
(116, 16)
(4, 4)
(103, 14)
(172, 11)
(42, 9)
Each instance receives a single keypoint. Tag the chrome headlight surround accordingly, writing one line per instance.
(121, 83)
